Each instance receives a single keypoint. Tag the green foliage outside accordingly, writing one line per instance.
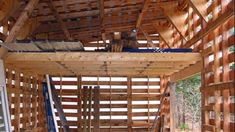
(184, 127)
(189, 101)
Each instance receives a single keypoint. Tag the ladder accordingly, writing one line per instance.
(54, 98)
(5, 119)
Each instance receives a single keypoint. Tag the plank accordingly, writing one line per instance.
(102, 56)
(187, 72)
(59, 19)
(97, 109)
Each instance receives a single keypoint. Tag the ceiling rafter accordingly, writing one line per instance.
(140, 17)
(59, 19)
(177, 29)
(165, 33)
(102, 28)
(176, 17)
(199, 6)
(149, 40)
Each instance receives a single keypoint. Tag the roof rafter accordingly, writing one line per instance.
(101, 6)
(176, 17)
(199, 6)
(165, 33)
(140, 17)
(149, 40)
(59, 19)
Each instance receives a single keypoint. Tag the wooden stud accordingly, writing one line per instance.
(97, 109)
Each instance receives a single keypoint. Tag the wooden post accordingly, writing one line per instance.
(96, 109)
(172, 107)
(129, 104)
(79, 100)
(89, 108)
(17, 102)
(85, 88)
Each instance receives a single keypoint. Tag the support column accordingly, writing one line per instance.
(172, 107)
(129, 104)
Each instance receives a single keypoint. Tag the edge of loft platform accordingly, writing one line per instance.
(101, 63)
(101, 56)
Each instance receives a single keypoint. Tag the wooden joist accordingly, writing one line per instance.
(140, 17)
(59, 19)
(102, 56)
(187, 72)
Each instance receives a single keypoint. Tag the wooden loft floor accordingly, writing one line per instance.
(85, 63)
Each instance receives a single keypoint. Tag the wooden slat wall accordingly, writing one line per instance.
(218, 74)
(126, 103)
(26, 101)
(213, 37)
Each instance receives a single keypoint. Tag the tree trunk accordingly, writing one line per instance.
(179, 116)
(183, 116)
(193, 122)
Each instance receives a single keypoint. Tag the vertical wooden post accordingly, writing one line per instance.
(34, 102)
(85, 88)
(110, 104)
(79, 101)
(129, 104)
(172, 107)
(204, 82)
(24, 89)
(225, 73)
(17, 102)
(97, 109)
(89, 108)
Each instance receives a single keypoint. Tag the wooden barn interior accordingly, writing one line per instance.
(112, 65)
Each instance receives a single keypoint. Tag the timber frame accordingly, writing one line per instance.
(207, 27)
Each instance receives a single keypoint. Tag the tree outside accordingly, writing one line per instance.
(188, 100)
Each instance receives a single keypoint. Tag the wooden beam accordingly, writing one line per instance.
(199, 6)
(187, 72)
(59, 19)
(176, 17)
(102, 56)
(140, 17)
(165, 33)
(149, 40)
(101, 7)
(97, 109)
(210, 27)
(18, 25)
(8, 9)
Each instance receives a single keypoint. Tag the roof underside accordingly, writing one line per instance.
(86, 20)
